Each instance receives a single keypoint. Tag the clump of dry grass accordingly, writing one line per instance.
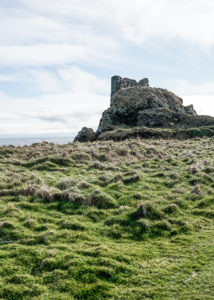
(101, 200)
(75, 197)
(145, 226)
(209, 170)
(147, 210)
(174, 175)
(31, 190)
(47, 193)
(98, 165)
(65, 183)
(11, 209)
(131, 179)
(138, 196)
(81, 157)
(115, 178)
(194, 169)
(122, 151)
(171, 208)
(122, 209)
(83, 185)
(6, 224)
(196, 190)
(30, 223)
(163, 225)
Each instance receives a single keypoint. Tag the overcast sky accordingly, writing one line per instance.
(57, 57)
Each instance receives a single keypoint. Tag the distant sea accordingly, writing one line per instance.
(30, 141)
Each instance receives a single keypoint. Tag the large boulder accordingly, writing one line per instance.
(85, 135)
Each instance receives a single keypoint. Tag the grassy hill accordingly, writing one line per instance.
(108, 220)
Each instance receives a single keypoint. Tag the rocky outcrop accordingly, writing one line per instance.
(85, 135)
(190, 110)
(135, 104)
(145, 106)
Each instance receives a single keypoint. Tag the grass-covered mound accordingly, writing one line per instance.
(106, 220)
(122, 133)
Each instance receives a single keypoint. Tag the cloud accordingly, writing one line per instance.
(43, 80)
(60, 80)
(49, 114)
(17, 29)
(201, 95)
(36, 36)
(76, 116)
(40, 55)
(58, 32)
(11, 77)
(78, 101)
(204, 104)
(186, 88)
(53, 119)
(77, 80)
(58, 52)
(190, 20)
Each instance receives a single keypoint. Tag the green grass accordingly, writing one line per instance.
(106, 220)
(121, 133)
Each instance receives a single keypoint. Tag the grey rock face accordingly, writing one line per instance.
(136, 104)
(85, 135)
(118, 83)
(190, 110)
(144, 82)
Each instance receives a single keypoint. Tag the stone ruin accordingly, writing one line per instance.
(136, 104)
(118, 83)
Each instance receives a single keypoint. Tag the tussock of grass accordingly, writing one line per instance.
(147, 210)
(101, 200)
(131, 179)
(66, 183)
(171, 209)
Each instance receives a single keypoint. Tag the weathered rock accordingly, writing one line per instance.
(137, 104)
(144, 82)
(85, 135)
(118, 83)
(190, 110)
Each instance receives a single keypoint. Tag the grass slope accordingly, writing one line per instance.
(106, 220)
(122, 133)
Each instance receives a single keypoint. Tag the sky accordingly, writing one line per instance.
(57, 58)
